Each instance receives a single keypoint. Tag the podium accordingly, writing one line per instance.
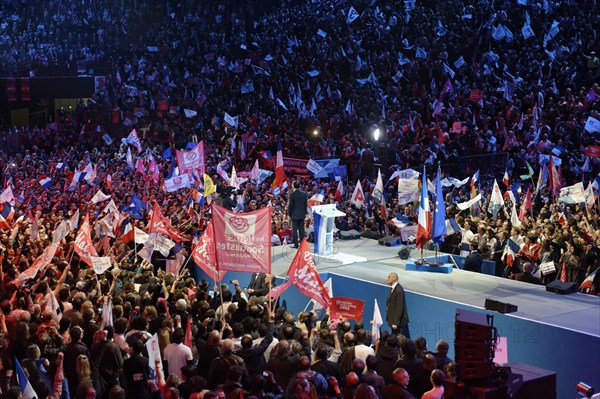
(324, 219)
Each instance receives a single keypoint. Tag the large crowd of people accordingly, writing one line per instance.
(486, 86)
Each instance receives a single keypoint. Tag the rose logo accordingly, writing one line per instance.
(238, 224)
(191, 156)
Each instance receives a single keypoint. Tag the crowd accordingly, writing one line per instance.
(254, 74)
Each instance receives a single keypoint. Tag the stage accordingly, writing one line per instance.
(366, 260)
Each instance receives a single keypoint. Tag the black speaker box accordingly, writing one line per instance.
(389, 241)
(473, 326)
(465, 351)
(404, 252)
(349, 235)
(561, 288)
(501, 307)
(468, 371)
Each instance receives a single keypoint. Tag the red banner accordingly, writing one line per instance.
(40, 263)
(593, 151)
(346, 308)
(243, 240)
(205, 256)
(192, 160)
(305, 277)
(162, 225)
(475, 95)
(83, 242)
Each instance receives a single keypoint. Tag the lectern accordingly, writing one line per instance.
(324, 218)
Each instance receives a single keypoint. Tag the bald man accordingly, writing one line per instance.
(396, 312)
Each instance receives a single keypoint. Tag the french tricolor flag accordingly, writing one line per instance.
(339, 192)
(279, 172)
(46, 182)
(512, 249)
(27, 391)
(424, 226)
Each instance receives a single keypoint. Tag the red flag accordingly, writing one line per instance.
(563, 273)
(188, 333)
(304, 275)
(83, 242)
(243, 240)
(348, 308)
(554, 179)
(204, 254)
(162, 225)
(192, 160)
(40, 263)
(339, 192)
(527, 205)
(593, 151)
(280, 176)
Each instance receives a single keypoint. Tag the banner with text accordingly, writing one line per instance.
(346, 308)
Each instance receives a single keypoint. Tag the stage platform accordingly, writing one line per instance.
(366, 260)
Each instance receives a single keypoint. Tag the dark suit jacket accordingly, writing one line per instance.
(396, 312)
(297, 204)
(528, 278)
(258, 284)
(397, 391)
(473, 262)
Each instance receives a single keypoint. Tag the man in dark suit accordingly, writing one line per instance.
(399, 388)
(258, 285)
(396, 312)
(137, 373)
(297, 203)
(527, 276)
(474, 260)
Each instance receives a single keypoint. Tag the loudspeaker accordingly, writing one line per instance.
(389, 241)
(349, 235)
(473, 351)
(404, 252)
(466, 371)
(561, 288)
(498, 306)
(473, 326)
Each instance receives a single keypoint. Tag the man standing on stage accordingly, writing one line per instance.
(396, 312)
(297, 204)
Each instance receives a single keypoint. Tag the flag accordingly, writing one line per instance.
(126, 231)
(474, 180)
(358, 196)
(496, 200)
(128, 158)
(529, 173)
(563, 273)
(154, 358)
(349, 107)
(589, 196)
(205, 256)
(46, 182)
(377, 321)
(233, 181)
(84, 247)
(439, 213)
(7, 196)
(243, 240)
(304, 275)
(527, 205)
(316, 199)
(100, 264)
(27, 391)
(188, 333)
(39, 264)
(192, 160)
(467, 204)
(162, 225)
(352, 15)
(99, 197)
(505, 179)
(280, 176)
(554, 178)
(177, 182)
(339, 191)
(542, 178)
(254, 173)
(378, 190)
(107, 313)
(74, 220)
(329, 286)
(140, 236)
(512, 249)
(448, 87)
(514, 217)
(7, 212)
(134, 140)
(587, 283)
(424, 226)
(209, 186)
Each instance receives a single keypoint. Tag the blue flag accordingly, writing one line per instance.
(168, 153)
(172, 168)
(439, 213)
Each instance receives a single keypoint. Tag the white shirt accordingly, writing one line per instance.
(177, 356)
(362, 351)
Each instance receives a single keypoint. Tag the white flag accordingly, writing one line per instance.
(140, 236)
(329, 286)
(358, 197)
(349, 107)
(101, 264)
(377, 321)
(99, 197)
(352, 15)
(153, 348)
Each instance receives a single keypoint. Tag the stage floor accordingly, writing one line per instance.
(366, 260)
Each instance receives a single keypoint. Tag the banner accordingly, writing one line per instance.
(593, 151)
(295, 166)
(162, 225)
(322, 167)
(100, 264)
(83, 243)
(190, 161)
(176, 183)
(243, 240)
(408, 187)
(475, 95)
(40, 263)
(204, 254)
(347, 308)
(592, 125)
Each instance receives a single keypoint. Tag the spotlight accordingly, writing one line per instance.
(585, 391)
(315, 132)
(376, 134)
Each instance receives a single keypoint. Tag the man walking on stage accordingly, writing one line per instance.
(396, 312)
(297, 204)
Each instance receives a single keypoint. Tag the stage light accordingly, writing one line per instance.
(376, 134)
(584, 390)
(315, 132)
